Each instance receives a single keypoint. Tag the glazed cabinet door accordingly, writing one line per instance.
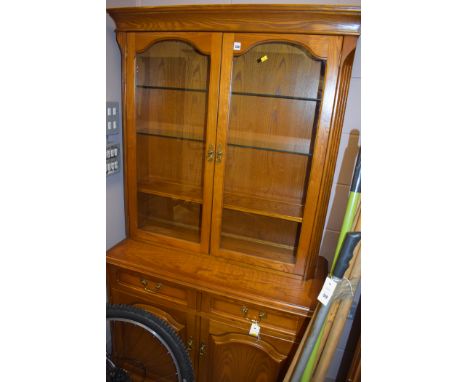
(227, 353)
(171, 98)
(276, 101)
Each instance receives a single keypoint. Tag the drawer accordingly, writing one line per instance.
(155, 288)
(238, 310)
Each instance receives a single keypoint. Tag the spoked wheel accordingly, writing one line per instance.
(142, 347)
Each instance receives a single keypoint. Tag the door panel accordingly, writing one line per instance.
(272, 135)
(230, 354)
(184, 324)
(170, 132)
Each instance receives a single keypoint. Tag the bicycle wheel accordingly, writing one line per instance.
(143, 347)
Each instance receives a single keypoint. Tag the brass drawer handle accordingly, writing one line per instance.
(157, 287)
(211, 153)
(189, 343)
(202, 349)
(219, 154)
(261, 314)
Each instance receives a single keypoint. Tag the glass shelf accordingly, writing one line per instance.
(269, 149)
(186, 138)
(276, 96)
(277, 143)
(170, 88)
(171, 130)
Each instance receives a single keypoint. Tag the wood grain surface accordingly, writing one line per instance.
(229, 157)
(170, 123)
(211, 274)
(317, 19)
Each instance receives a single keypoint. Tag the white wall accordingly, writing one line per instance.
(120, 3)
(115, 214)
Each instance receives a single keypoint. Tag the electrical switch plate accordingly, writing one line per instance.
(112, 159)
(112, 118)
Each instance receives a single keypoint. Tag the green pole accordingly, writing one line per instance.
(351, 208)
(307, 375)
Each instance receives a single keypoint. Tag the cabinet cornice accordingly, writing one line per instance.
(277, 18)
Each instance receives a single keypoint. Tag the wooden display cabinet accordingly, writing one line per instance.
(232, 121)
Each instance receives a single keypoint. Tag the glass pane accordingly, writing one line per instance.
(275, 100)
(258, 235)
(171, 105)
(168, 216)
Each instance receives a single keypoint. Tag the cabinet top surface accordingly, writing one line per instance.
(279, 18)
(209, 274)
(333, 8)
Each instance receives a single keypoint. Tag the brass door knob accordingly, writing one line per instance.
(262, 316)
(202, 349)
(189, 343)
(211, 153)
(244, 310)
(219, 154)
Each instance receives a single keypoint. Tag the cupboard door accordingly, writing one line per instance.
(171, 97)
(276, 100)
(229, 354)
(136, 344)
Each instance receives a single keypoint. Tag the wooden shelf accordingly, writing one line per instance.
(279, 143)
(188, 193)
(259, 248)
(281, 209)
(170, 228)
(170, 130)
(287, 210)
